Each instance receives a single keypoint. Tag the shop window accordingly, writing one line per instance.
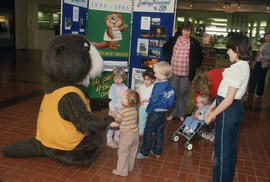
(48, 16)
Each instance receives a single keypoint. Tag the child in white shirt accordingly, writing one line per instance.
(145, 91)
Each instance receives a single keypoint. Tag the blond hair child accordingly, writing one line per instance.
(116, 91)
(161, 100)
(129, 135)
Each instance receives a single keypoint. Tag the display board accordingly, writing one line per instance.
(152, 26)
(73, 17)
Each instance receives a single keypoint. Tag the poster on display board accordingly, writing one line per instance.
(153, 23)
(137, 77)
(74, 17)
(109, 26)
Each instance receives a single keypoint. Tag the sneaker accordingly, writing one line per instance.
(212, 139)
(112, 145)
(140, 156)
(169, 118)
(116, 140)
(190, 131)
(157, 156)
(114, 171)
(185, 129)
(208, 135)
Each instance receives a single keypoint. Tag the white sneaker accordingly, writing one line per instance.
(185, 129)
(116, 140)
(190, 131)
(112, 144)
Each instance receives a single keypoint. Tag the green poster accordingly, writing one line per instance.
(99, 86)
(109, 31)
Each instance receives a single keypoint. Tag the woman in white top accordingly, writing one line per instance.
(227, 108)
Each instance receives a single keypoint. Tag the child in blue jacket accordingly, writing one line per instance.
(161, 100)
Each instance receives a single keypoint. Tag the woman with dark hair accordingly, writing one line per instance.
(227, 109)
(184, 53)
(258, 74)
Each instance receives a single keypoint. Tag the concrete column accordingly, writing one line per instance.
(21, 24)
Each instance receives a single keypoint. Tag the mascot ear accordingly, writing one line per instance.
(96, 67)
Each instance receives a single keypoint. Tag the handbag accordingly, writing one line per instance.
(265, 63)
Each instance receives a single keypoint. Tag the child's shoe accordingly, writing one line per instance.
(112, 144)
(190, 131)
(116, 140)
(114, 171)
(140, 156)
(185, 129)
(157, 156)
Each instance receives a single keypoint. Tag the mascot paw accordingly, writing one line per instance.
(97, 104)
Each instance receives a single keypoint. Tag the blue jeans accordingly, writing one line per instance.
(226, 137)
(257, 79)
(154, 126)
(192, 123)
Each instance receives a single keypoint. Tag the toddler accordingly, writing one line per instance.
(192, 122)
(126, 119)
(116, 91)
(161, 100)
(144, 92)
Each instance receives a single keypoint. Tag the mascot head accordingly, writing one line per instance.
(71, 59)
(113, 20)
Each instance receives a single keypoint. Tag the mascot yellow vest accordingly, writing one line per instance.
(52, 130)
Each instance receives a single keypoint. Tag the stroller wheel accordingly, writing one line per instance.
(175, 138)
(188, 146)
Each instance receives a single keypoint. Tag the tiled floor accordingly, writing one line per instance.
(21, 84)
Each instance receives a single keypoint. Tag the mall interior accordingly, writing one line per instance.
(25, 27)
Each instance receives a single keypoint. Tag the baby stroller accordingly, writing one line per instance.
(215, 77)
(180, 131)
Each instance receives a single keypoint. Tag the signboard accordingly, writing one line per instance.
(161, 6)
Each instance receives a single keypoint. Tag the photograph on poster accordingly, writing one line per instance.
(68, 23)
(82, 23)
(145, 34)
(155, 21)
(137, 78)
(110, 65)
(154, 52)
(161, 43)
(158, 32)
(142, 47)
(148, 62)
(153, 43)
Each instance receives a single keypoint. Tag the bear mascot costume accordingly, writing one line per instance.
(67, 131)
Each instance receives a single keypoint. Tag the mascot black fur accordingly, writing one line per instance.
(67, 130)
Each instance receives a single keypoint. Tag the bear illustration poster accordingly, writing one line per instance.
(109, 27)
